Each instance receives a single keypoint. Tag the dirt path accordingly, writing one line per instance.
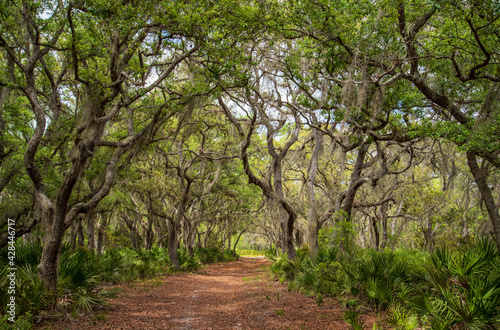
(231, 295)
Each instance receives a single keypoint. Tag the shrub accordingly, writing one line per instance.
(186, 262)
(78, 270)
(215, 253)
(447, 289)
(23, 322)
(461, 288)
(248, 252)
(80, 274)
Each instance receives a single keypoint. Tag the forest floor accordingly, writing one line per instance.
(230, 295)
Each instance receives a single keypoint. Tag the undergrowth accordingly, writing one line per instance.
(457, 289)
(83, 277)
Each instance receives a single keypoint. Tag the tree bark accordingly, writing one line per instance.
(48, 269)
(356, 181)
(135, 239)
(383, 219)
(91, 231)
(267, 189)
(173, 230)
(149, 232)
(384, 233)
(429, 234)
(237, 241)
(287, 237)
(101, 234)
(190, 238)
(207, 235)
(484, 189)
(79, 233)
(72, 240)
(312, 220)
(376, 234)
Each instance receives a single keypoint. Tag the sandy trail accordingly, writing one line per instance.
(230, 295)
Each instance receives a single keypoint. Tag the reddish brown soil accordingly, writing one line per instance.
(231, 295)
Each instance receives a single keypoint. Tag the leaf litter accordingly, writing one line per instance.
(230, 295)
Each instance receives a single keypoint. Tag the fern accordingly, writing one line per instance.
(354, 319)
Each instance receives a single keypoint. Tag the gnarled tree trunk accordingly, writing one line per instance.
(484, 189)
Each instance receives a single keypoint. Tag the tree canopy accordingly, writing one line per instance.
(270, 123)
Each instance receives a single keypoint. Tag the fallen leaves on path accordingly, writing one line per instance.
(230, 295)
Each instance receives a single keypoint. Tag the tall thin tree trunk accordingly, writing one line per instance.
(74, 228)
(188, 236)
(289, 237)
(287, 220)
(149, 232)
(429, 235)
(100, 240)
(484, 189)
(376, 234)
(283, 230)
(79, 232)
(173, 229)
(90, 231)
(206, 236)
(198, 239)
(134, 235)
(383, 218)
(101, 232)
(312, 220)
(383, 244)
(237, 240)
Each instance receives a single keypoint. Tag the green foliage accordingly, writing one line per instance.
(446, 289)
(325, 236)
(127, 265)
(342, 234)
(82, 274)
(378, 275)
(334, 44)
(250, 252)
(79, 270)
(26, 254)
(401, 318)
(86, 301)
(31, 294)
(284, 268)
(23, 322)
(214, 254)
(303, 251)
(354, 319)
(461, 288)
(112, 264)
(148, 263)
(186, 262)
